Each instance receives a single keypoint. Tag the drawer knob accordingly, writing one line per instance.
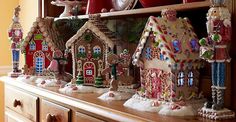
(16, 103)
(51, 118)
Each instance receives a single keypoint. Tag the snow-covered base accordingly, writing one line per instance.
(141, 104)
(42, 82)
(164, 108)
(216, 114)
(183, 111)
(31, 78)
(26, 78)
(73, 88)
(116, 95)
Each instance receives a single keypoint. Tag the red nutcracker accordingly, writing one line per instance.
(15, 36)
(214, 50)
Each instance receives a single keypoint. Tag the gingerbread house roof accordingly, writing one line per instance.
(165, 33)
(95, 25)
(42, 24)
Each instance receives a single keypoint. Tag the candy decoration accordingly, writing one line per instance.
(216, 37)
(202, 41)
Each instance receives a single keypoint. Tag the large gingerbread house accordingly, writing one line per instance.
(90, 47)
(167, 55)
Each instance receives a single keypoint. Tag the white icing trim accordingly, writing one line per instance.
(181, 56)
(220, 46)
(90, 26)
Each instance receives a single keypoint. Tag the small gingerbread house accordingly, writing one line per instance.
(89, 47)
(38, 46)
(167, 55)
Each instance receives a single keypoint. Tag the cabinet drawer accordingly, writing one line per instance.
(12, 116)
(21, 102)
(80, 117)
(51, 112)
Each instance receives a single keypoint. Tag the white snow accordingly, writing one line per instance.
(49, 83)
(118, 95)
(142, 104)
(26, 78)
(183, 111)
(69, 88)
(164, 108)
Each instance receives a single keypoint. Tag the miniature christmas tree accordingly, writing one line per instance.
(98, 81)
(80, 79)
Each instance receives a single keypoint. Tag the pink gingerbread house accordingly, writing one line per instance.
(168, 57)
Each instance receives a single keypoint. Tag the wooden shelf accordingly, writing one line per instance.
(177, 7)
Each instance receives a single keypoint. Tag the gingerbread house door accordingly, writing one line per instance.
(89, 72)
(39, 62)
(156, 82)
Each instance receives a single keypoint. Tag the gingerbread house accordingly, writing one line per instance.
(90, 47)
(39, 44)
(167, 55)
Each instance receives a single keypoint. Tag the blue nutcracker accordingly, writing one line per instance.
(15, 36)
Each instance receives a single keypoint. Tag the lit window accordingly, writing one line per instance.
(81, 49)
(39, 65)
(190, 78)
(148, 53)
(89, 72)
(32, 45)
(180, 79)
(96, 49)
(44, 46)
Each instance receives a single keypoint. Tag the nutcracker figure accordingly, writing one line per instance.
(15, 36)
(214, 50)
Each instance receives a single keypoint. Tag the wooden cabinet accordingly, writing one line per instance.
(22, 103)
(12, 116)
(51, 112)
(80, 117)
(52, 106)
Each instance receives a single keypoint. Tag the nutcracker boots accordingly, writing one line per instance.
(214, 98)
(214, 95)
(220, 99)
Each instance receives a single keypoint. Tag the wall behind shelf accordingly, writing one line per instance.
(6, 11)
(29, 11)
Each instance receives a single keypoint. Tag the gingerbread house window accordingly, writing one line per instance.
(81, 52)
(44, 46)
(190, 79)
(39, 62)
(81, 49)
(161, 57)
(32, 45)
(180, 81)
(148, 53)
(96, 49)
